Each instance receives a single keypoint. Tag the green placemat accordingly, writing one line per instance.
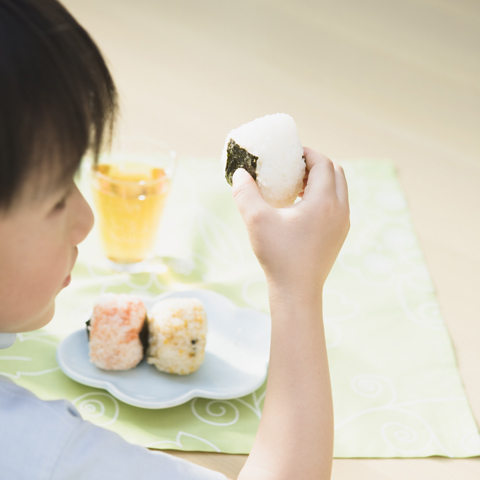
(397, 391)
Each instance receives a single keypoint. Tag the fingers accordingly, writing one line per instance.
(246, 194)
(341, 185)
(324, 177)
(321, 174)
(312, 157)
(305, 181)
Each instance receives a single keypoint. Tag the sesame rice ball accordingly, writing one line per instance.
(177, 335)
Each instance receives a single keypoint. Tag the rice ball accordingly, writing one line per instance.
(116, 332)
(270, 150)
(177, 335)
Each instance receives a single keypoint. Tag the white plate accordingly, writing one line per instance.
(236, 359)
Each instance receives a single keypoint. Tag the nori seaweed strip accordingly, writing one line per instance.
(143, 335)
(238, 157)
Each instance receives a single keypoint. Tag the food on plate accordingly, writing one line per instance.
(177, 335)
(270, 150)
(118, 332)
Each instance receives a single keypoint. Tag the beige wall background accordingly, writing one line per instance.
(362, 78)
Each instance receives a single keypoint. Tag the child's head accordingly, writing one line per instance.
(57, 100)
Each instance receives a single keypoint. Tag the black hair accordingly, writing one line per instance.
(57, 97)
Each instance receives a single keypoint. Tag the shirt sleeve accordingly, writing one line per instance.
(48, 440)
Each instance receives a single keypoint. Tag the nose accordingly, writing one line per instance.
(82, 217)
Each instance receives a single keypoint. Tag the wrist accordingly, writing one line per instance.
(295, 292)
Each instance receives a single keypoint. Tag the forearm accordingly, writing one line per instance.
(297, 247)
(295, 437)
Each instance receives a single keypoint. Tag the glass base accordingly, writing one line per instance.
(154, 265)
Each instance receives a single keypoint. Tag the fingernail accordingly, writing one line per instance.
(239, 174)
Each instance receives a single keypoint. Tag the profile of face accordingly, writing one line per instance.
(38, 248)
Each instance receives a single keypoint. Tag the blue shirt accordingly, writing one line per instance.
(42, 440)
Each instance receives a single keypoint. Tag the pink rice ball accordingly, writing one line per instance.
(114, 332)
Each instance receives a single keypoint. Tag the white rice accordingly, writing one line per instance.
(280, 166)
(177, 335)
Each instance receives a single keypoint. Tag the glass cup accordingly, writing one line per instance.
(130, 187)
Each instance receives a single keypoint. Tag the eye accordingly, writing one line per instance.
(62, 201)
(61, 204)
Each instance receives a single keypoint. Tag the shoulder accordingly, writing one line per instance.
(17, 404)
(50, 438)
(33, 431)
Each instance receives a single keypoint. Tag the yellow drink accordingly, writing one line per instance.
(129, 200)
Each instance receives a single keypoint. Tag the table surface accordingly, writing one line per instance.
(370, 79)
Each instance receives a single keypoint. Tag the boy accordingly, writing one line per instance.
(57, 100)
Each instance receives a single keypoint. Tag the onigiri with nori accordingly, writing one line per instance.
(269, 149)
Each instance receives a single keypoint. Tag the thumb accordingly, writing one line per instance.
(246, 194)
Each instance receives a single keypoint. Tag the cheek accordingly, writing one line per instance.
(34, 318)
(31, 276)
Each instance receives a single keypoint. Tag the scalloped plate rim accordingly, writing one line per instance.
(178, 399)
